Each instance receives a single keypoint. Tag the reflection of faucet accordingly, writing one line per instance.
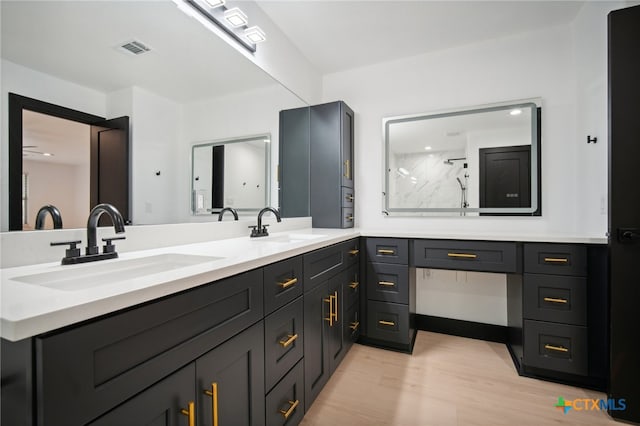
(55, 215)
(261, 230)
(228, 209)
(92, 224)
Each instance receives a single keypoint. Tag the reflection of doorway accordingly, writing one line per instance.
(108, 180)
(505, 177)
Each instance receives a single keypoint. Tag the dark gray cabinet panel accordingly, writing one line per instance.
(293, 170)
(233, 374)
(317, 310)
(558, 347)
(160, 405)
(556, 259)
(348, 197)
(555, 298)
(351, 326)
(116, 357)
(283, 341)
(285, 402)
(388, 282)
(485, 256)
(282, 283)
(352, 286)
(388, 250)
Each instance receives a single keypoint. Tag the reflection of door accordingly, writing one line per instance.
(217, 177)
(505, 177)
(624, 210)
(110, 165)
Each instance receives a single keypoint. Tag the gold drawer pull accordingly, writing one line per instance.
(213, 393)
(554, 300)
(354, 325)
(287, 413)
(391, 323)
(349, 197)
(386, 283)
(347, 168)
(349, 218)
(386, 251)
(191, 413)
(354, 284)
(463, 255)
(556, 260)
(556, 348)
(290, 339)
(354, 252)
(288, 283)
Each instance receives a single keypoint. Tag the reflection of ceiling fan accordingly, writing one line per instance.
(26, 151)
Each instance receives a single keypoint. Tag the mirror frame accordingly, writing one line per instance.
(536, 149)
(225, 141)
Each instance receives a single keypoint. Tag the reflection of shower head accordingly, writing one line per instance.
(448, 162)
(460, 182)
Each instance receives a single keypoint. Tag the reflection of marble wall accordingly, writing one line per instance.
(430, 183)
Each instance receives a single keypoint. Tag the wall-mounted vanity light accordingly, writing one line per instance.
(234, 22)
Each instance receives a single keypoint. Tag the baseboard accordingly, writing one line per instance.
(454, 327)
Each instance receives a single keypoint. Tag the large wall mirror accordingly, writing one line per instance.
(231, 173)
(189, 86)
(475, 161)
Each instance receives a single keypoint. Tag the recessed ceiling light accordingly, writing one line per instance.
(214, 3)
(235, 17)
(515, 111)
(403, 171)
(255, 35)
(427, 148)
(47, 154)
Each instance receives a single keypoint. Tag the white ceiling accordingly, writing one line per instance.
(66, 140)
(337, 35)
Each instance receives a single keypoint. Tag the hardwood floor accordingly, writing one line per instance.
(447, 381)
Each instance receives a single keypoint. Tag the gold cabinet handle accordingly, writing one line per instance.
(191, 413)
(386, 283)
(390, 323)
(463, 255)
(554, 300)
(213, 393)
(386, 251)
(290, 339)
(354, 284)
(288, 283)
(354, 325)
(354, 252)
(335, 296)
(292, 407)
(330, 301)
(347, 169)
(349, 217)
(556, 348)
(349, 197)
(556, 260)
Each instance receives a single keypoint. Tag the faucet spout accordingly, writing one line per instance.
(261, 230)
(92, 224)
(55, 215)
(228, 209)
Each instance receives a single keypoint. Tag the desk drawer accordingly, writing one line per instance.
(388, 282)
(282, 283)
(483, 256)
(388, 250)
(558, 347)
(283, 341)
(555, 298)
(388, 322)
(285, 403)
(556, 259)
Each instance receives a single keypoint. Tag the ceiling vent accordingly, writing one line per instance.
(134, 47)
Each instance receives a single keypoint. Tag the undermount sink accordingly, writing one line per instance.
(91, 275)
(288, 238)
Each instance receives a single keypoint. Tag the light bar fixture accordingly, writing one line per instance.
(234, 22)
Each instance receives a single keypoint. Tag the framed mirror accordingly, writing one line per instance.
(231, 173)
(474, 161)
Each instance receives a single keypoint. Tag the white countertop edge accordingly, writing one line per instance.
(531, 238)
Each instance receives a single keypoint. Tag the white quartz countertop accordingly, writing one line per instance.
(28, 308)
(32, 304)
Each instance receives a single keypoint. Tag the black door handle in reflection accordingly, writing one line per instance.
(628, 235)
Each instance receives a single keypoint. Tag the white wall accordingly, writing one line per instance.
(244, 172)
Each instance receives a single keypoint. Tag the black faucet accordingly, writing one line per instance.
(55, 215)
(261, 230)
(228, 209)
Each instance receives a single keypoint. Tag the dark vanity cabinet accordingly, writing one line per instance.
(316, 164)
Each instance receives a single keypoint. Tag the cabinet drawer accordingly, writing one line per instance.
(347, 217)
(484, 256)
(555, 259)
(101, 363)
(285, 403)
(282, 283)
(347, 197)
(555, 298)
(556, 347)
(388, 282)
(321, 264)
(283, 341)
(388, 322)
(352, 286)
(388, 250)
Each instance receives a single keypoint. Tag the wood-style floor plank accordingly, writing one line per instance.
(448, 380)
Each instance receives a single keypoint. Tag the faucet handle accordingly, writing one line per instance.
(110, 247)
(72, 251)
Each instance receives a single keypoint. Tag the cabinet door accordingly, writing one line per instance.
(317, 309)
(346, 144)
(336, 341)
(230, 381)
(293, 174)
(160, 405)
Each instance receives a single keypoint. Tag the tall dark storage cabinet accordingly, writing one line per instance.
(316, 164)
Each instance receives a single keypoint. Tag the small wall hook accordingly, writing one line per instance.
(592, 139)
(158, 173)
